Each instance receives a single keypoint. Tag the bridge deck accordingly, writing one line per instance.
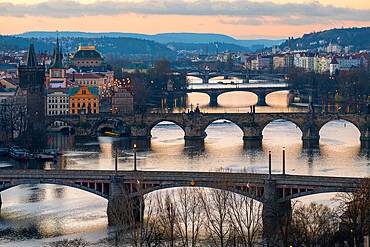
(184, 177)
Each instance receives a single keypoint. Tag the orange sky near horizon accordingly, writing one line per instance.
(165, 23)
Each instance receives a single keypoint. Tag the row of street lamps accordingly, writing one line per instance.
(271, 165)
(135, 168)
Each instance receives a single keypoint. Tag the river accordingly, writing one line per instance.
(34, 214)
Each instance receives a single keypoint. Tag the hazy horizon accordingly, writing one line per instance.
(241, 19)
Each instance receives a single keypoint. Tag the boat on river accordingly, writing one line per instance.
(20, 154)
(4, 151)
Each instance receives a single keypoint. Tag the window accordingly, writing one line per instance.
(73, 104)
(73, 111)
(83, 91)
(94, 104)
(78, 104)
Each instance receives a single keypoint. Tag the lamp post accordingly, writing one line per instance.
(283, 160)
(134, 157)
(116, 163)
(269, 165)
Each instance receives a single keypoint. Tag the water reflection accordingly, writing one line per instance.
(52, 210)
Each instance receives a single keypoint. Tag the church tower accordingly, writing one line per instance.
(57, 72)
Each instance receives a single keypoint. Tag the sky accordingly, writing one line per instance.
(241, 19)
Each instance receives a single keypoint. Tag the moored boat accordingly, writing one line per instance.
(20, 154)
(4, 151)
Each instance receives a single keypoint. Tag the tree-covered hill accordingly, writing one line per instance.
(358, 37)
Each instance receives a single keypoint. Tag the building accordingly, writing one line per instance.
(88, 79)
(9, 82)
(122, 101)
(32, 86)
(334, 66)
(57, 72)
(83, 100)
(57, 101)
(135, 66)
(87, 57)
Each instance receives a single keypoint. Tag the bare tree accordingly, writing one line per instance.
(246, 217)
(313, 225)
(189, 217)
(217, 221)
(355, 207)
(167, 213)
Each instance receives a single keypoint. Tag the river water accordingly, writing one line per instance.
(34, 214)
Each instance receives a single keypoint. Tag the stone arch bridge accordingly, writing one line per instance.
(260, 91)
(276, 190)
(195, 124)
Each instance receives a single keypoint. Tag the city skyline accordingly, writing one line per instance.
(240, 19)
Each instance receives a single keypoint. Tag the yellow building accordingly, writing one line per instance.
(87, 57)
(84, 100)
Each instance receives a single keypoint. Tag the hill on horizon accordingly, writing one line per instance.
(358, 37)
(164, 38)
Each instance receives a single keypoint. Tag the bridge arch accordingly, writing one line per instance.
(209, 122)
(158, 121)
(12, 184)
(243, 93)
(343, 118)
(314, 192)
(230, 189)
(292, 120)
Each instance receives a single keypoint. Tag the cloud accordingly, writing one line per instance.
(251, 13)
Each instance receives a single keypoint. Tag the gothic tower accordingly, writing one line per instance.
(57, 72)
(32, 88)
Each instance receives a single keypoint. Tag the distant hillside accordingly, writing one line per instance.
(164, 38)
(211, 48)
(106, 45)
(15, 44)
(358, 37)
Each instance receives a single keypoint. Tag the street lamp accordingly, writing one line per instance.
(115, 162)
(134, 157)
(269, 165)
(283, 160)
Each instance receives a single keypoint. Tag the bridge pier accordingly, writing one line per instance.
(213, 99)
(365, 142)
(275, 215)
(194, 143)
(122, 207)
(310, 137)
(252, 142)
(261, 99)
(252, 136)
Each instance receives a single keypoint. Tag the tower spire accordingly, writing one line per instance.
(58, 56)
(31, 57)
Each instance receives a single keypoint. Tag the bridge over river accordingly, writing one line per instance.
(216, 89)
(195, 124)
(273, 191)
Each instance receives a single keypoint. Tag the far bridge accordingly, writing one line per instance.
(194, 125)
(213, 90)
(206, 76)
(274, 190)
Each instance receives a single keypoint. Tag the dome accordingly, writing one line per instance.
(87, 53)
